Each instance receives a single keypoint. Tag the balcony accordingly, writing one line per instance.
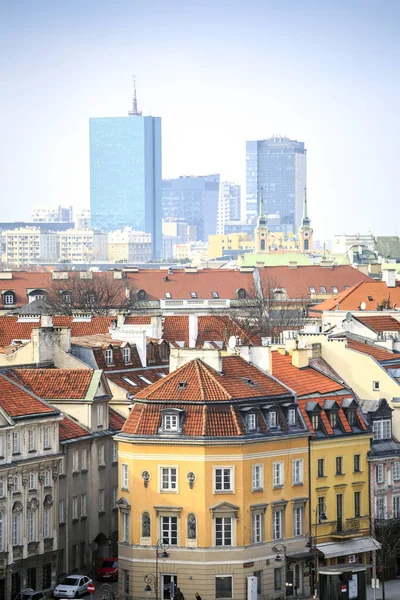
(347, 528)
(196, 303)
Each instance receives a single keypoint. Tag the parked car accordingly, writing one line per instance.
(109, 569)
(30, 594)
(72, 586)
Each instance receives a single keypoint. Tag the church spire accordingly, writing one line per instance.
(134, 112)
(306, 221)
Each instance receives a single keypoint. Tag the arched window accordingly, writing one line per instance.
(141, 295)
(8, 298)
(37, 295)
(241, 294)
(146, 525)
(262, 245)
(306, 244)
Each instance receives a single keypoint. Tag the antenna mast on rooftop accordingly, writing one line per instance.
(134, 112)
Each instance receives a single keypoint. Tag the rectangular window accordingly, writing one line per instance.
(277, 579)
(380, 508)
(396, 507)
(101, 500)
(169, 530)
(84, 459)
(169, 479)
(333, 419)
(115, 496)
(75, 461)
(277, 524)
(339, 465)
(101, 458)
(223, 479)
(322, 289)
(75, 507)
(251, 421)
(100, 415)
(47, 478)
(257, 528)
(115, 452)
(380, 473)
(127, 355)
(297, 472)
(223, 586)
(125, 527)
(16, 444)
(46, 437)
(46, 523)
(298, 521)
(321, 467)
(257, 477)
(61, 511)
(31, 526)
(357, 504)
(223, 531)
(31, 440)
(376, 386)
(272, 419)
(382, 429)
(16, 529)
(292, 417)
(109, 357)
(124, 477)
(61, 466)
(16, 484)
(126, 581)
(277, 474)
(357, 463)
(396, 471)
(321, 509)
(83, 505)
(171, 422)
(315, 422)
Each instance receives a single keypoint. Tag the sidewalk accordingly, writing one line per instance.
(392, 591)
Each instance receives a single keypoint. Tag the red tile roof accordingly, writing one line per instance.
(380, 354)
(304, 381)
(18, 402)
(176, 329)
(362, 292)
(210, 328)
(71, 429)
(137, 320)
(55, 383)
(123, 379)
(302, 402)
(380, 323)
(201, 383)
(115, 420)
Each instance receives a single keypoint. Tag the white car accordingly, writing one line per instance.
(72, 586)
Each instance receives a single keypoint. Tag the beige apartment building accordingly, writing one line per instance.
(126, 245)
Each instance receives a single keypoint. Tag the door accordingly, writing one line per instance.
(339, 512)
(166, 581)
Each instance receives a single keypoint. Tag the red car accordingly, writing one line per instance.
(109, 569)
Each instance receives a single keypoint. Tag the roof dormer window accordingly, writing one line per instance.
(312, 289)
(215, 294)
(292, 417)
(182, 385)
(193, 294)
(272, 421)
(251, 422)
(351, 417)
(333, 419)
(171, 421)
(109, 356)
(315, 422)
(168, 295)
(127, 355)
(322, 289)
(8, 298)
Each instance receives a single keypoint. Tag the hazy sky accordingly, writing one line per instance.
(320, 71)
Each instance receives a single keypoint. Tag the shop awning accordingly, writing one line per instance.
(353, 546)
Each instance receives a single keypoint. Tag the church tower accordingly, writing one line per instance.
(261, 232)
(305, 232)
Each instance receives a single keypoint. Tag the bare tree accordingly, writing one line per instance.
(387, 532)
(94, 293)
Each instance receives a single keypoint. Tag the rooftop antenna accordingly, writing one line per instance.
(134, 112)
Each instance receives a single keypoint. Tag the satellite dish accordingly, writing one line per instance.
(349, 317)
(232, 341)
(363, 306)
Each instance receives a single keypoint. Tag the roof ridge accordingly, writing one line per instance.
(199, 377)
(207, 368)
(140, 417)
(235, 419)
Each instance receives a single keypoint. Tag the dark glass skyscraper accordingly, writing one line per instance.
(193, 199)
(278, 167)
(125, 174)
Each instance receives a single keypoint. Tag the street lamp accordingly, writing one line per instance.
(150, 579)
(280, 550)
(320, 517)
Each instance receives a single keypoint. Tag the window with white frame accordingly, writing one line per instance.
(223, 586)
(31, 526)
(16, 487)
(1, 532)
(101, 456)
(46, 437)
(278, 579)
(223, 479)
(61, 466)
(381, 508)
(61, 511)
(16, 529)
(251, 421)
(47, 478)
(297, 472)
(124, 477)
(75, 461)
(396, 471)
(292, 417)
(277, 521)
(2, 489)
(395, 507)
(376, 386)
(109, 357)
(126, 527)
(169, 530)
(1, 446)
(257, 477)
(169, 479)
(32, 481)
(16, 448)
(298, 520)
(127, 355)
(382, 429)
(277, 477)
(115, 452)
(272, 419)
(84, 459)
(170, 422)
(8, 299)
(47, 522)
(75, 507)
(380, 473)
(257, 527)
(83, 505)
(99, 415)
(101, 500)
(31, 440)
(223, 531)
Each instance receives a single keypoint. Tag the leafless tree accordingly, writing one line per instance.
(94, 293)
(387, 532)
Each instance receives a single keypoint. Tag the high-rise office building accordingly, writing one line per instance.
(125, 174)
(278, 167)
(228, 204)
(193, 199)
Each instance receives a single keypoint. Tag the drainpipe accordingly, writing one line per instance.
(311, 578)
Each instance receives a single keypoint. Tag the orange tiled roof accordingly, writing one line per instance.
(115, 420)
(18, 402)
(302, 402)
(124, 379)
(71, 429)
(303, 381)
(380, 323)
(55, 383)
(201, 383)
(380, 354)
(370, 292)
(176, 329)
(137, 320)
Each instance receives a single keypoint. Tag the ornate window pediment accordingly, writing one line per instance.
(123, 504)
(225, 508)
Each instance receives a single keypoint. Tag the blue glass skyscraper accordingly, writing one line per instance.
(125, 174)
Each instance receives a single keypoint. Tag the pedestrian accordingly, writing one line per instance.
(178, 594)
(197, 596)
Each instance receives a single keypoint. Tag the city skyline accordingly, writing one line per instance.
(326, 78)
